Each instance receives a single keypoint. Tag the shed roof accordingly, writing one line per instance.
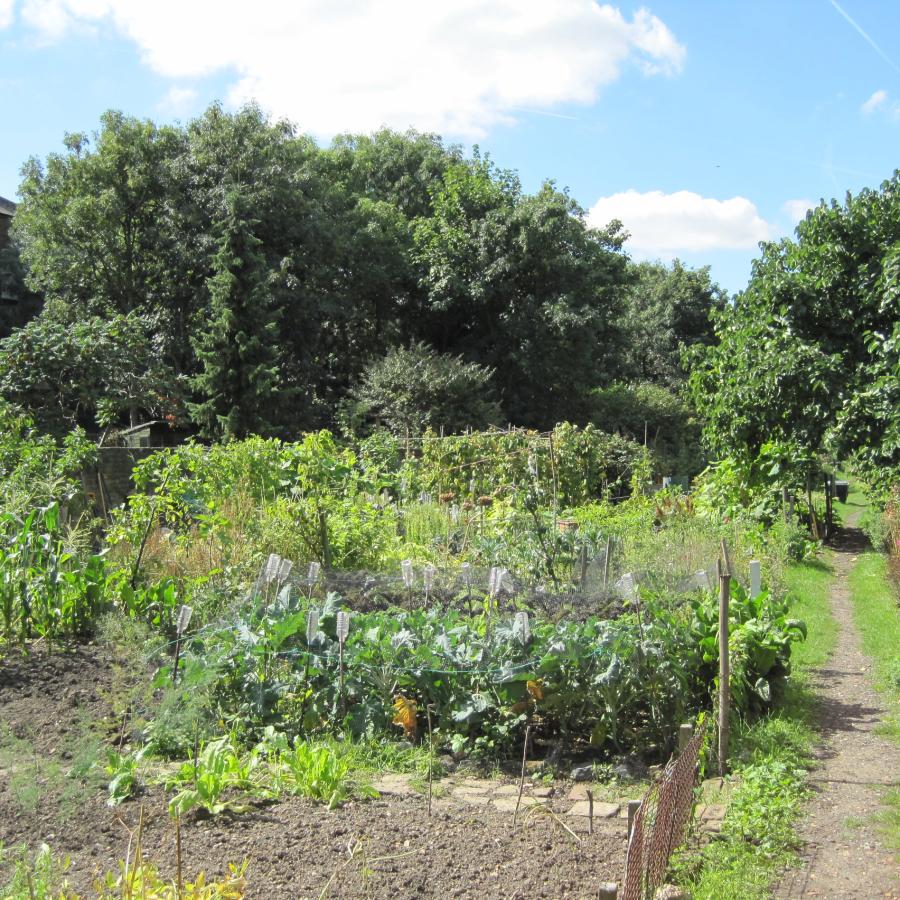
(7, 207)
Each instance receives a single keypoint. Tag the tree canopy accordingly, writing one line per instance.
(807, 358)
(277, 273)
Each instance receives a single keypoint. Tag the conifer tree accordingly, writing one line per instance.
(240, 380)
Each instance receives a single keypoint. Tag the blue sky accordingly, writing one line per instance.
(705, 125)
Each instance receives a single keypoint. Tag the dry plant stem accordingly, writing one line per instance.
(150, 520)
(546, 811)
(179, 884)
(355, 851)
(522, 776)
(430, 760)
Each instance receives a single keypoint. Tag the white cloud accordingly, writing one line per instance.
(881, 102)
(6, 13)
(879, 98)
(796, 210)
(335, 65)
(663, 224)
(178, 101)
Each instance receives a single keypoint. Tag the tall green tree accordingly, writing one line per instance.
(240, 382)
(667, 308)
(808, 354)
(94, 229)
(520, 284)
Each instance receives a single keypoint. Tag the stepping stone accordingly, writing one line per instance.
(601, 810)
(713, 812)
(542, 792)
(508, 804)
(474, 798)
(481, 784)
(507, 790)
(579, 792)
(395, 785)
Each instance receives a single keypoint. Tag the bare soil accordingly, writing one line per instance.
(843, 855)
(53, 705)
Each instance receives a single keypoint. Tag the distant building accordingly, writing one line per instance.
(8, 294)
(7, 211)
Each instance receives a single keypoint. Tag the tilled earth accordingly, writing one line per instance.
(52, 706)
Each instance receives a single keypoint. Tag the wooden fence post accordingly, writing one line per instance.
(724, 668)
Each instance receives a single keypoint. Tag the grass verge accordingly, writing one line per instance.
(771, 757)
(877, 617)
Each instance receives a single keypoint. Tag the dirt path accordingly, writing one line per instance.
(843, 855)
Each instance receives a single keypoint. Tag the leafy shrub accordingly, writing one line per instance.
(414, 388)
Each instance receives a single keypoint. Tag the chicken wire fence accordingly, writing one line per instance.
(661, 823)
(599, 584)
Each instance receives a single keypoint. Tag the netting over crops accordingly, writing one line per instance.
(597, 585)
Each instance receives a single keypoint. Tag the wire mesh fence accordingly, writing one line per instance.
(661, 822)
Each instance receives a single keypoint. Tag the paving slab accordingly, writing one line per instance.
(715, 811)
(601, 810)
(396, 785)
(508, 804)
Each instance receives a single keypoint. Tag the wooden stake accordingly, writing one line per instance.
(323, 539)
(724, 668)
(584, 567)
(522, 776)
(633, 807)
(590, 796)
(685, 733)
(606, 565)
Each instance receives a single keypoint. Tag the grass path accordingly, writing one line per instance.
(845, 853)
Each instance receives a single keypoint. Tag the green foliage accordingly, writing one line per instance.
(275, 271)
(142, 880)
(123, 771)
(66, 371)
(669, 423)
(571, 466)
(35, 876)
(666, 309)
(37, 469)
(412, 389)
(520, 284)
(239, 349)
(612, 683)
(219, 770)
(808, 355)
(307, 770)
(45, 588)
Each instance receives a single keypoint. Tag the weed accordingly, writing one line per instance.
(37, 876)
